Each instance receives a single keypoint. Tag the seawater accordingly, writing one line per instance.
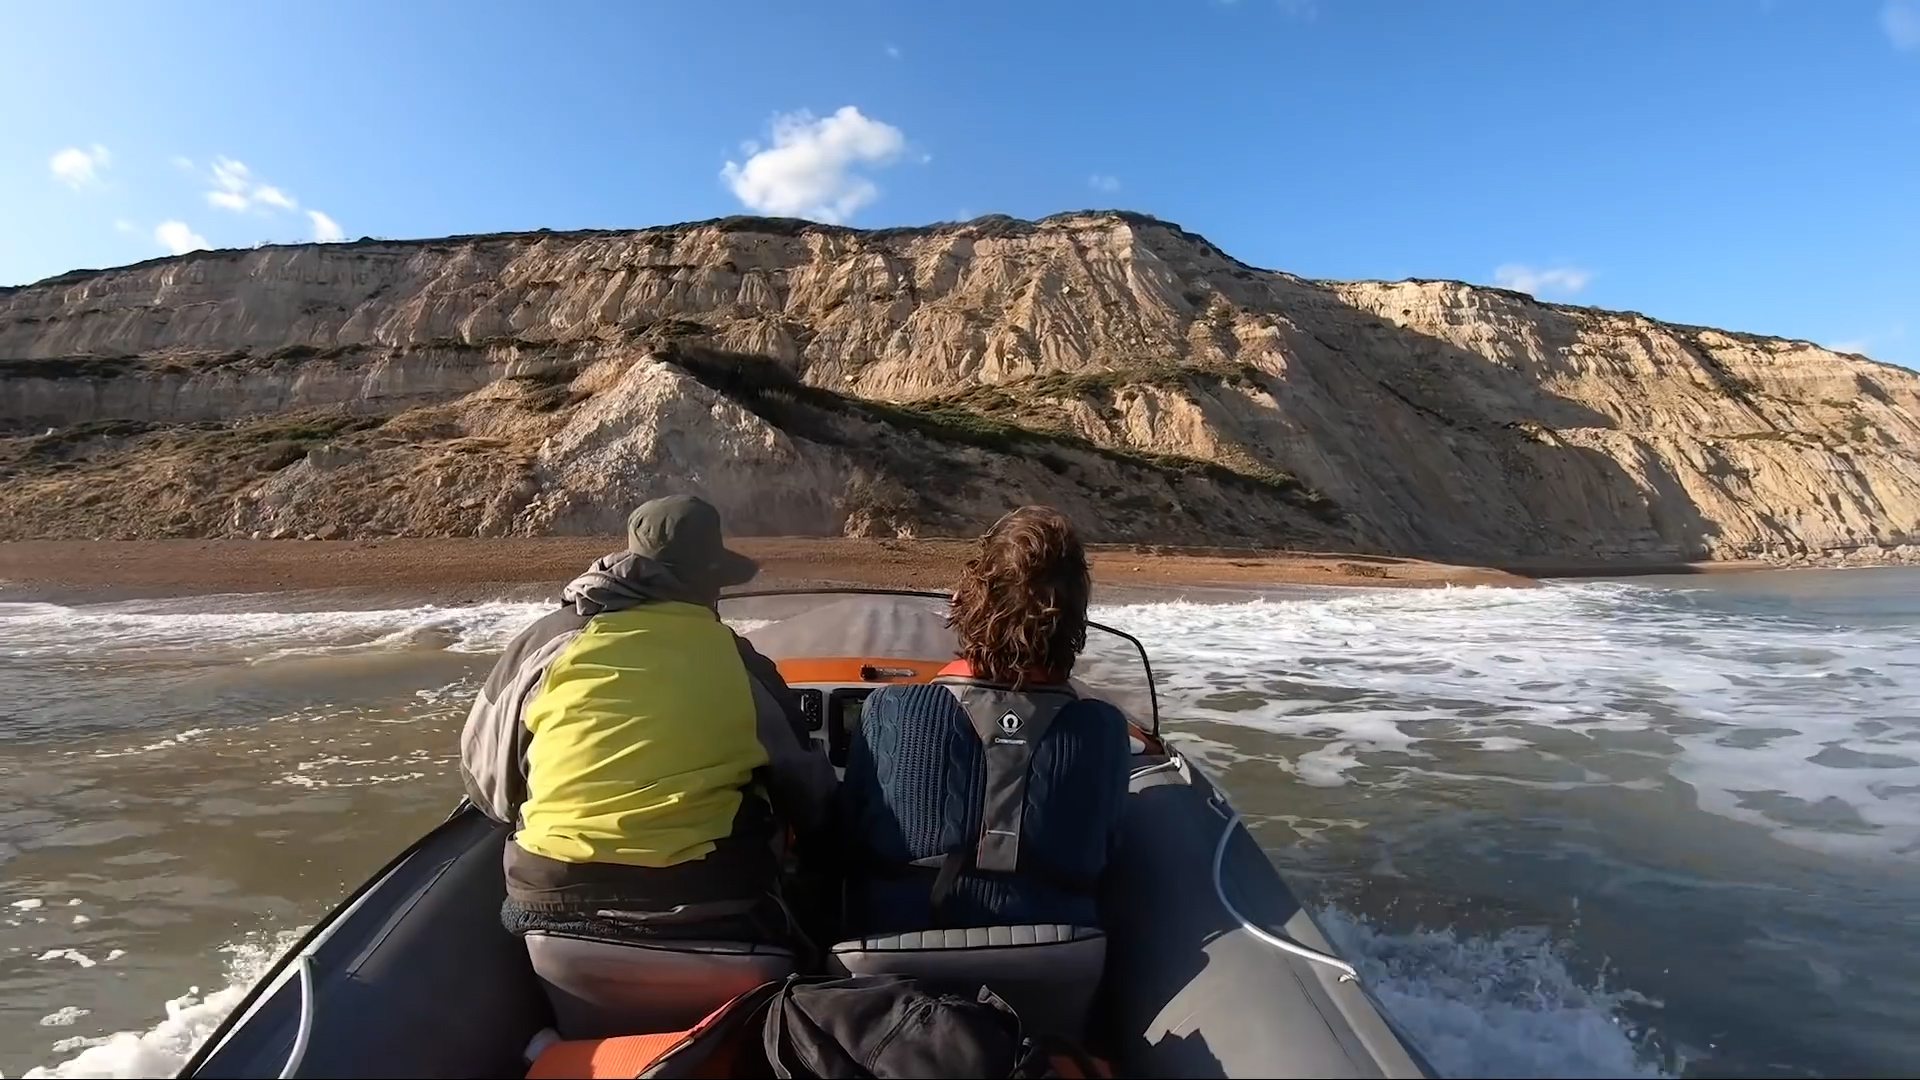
(1657, 827)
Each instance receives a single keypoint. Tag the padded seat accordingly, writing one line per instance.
(1048, 972)
(605, 988)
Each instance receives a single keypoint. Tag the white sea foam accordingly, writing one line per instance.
(63, 1016)
(31, 903)
(1502, 1005)
(1498, 1005)
(1746, 699)
(74, 955)
(190, 1018)
(178, 738)
(111, 631)
(357, 780)
(1804, 727)
(119, 630)
(1748, 708)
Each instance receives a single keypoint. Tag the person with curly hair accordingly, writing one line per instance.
(993, 794)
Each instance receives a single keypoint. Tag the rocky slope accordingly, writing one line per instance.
(821, 380)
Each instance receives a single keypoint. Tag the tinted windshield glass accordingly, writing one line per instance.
(907, 626)
(1114, 669)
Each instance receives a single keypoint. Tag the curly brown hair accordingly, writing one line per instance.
(1021, 608)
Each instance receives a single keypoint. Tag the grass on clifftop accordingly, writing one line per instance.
(1101, 384)
(771, 392)
(267, 445)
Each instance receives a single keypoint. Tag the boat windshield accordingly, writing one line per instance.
(883, 625)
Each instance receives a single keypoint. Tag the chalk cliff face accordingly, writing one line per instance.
(819, 380)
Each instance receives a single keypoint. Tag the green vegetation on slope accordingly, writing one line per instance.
(266, 445)
(771, 392)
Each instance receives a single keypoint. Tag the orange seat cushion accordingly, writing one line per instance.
(623, 1055)
(1080, 1067)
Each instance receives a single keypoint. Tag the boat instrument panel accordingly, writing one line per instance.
(833, 692)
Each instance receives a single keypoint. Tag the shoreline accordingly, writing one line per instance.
(106, 570)
(57, 571)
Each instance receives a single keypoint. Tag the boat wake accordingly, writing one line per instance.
(1505, 1005)
(1461, 711)
(163, 1048)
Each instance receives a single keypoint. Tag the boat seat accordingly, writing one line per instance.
(603, 988)
(1047, 972)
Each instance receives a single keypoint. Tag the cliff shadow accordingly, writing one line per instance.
(1471, 455)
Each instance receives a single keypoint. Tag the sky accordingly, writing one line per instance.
(1748, 164)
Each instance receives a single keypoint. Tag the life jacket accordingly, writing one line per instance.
(1010, 724)
(644, 740)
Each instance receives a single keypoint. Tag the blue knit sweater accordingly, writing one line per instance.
(915, 788)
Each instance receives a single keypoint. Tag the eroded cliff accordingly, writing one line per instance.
(819, 380)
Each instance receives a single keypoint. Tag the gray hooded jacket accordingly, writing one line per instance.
(493, 745)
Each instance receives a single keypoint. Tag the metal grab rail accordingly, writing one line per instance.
(304, 1033)
(1261, 933)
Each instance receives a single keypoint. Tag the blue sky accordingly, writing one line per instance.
(1752, 164)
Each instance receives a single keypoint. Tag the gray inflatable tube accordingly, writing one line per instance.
(1212, 968)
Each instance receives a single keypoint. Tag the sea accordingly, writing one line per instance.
(1641, 827)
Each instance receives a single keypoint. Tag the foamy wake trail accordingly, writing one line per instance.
(107, 631)
(1776, 717)
(1503, 1005)
(162, 1049)
(1498, 1006)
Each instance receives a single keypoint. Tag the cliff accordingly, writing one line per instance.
(822, 380)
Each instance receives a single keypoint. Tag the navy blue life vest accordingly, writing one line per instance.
(975, 804)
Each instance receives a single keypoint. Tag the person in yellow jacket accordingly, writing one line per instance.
(647, 757)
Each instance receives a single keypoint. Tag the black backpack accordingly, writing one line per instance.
(880, 1026)
(888, 1026)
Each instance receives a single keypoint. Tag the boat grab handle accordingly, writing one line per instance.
(1260, 933)
(1172, 764)
(304, 1033)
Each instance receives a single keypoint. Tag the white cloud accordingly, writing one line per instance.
(273, 196)
(1901, 20)
(79, 167)
(1883, 340)
(325, 229)
(235, 188)
(125, 226)
(809, 171)
(231, 175)
(893, 51)
(1563, 280)
(1103, 182)
(177, 238)
(183, 163)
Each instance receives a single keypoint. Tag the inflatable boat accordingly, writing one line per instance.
(1206, 965)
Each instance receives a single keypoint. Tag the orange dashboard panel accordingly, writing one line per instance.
(858, 669)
